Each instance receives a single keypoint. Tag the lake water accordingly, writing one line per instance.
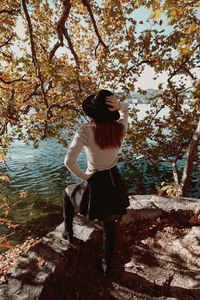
(44, 178)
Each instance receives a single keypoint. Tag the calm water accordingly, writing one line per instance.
(44, 178)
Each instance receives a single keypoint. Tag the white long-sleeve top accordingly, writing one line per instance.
(97, 159)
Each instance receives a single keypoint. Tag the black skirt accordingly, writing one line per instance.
(101, 196)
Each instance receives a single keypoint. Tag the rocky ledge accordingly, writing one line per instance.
(157, 257)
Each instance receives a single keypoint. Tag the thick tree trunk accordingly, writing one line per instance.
(190, 157)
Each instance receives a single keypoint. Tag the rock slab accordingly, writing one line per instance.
(37, 271)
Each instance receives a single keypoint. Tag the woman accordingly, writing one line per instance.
(102, 194)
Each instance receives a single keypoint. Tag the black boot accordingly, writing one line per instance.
(68, 215)
(109, 234)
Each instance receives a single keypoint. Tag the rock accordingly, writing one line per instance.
(144, 207)
(160, 264)
(35, 271)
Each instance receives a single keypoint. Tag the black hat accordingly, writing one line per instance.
(95, 107)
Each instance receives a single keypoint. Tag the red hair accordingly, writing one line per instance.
(108, 135)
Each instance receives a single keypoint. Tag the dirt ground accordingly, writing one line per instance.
(154, 259)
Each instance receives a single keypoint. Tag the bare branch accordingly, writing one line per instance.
(61, 27)
(34, 56)
(153, 162)
(3, 128)
(183, 68)
(63, 19)
(85, 3)
(18, 170)
(170, 78)
(52, 52)
(95, 51)
(176, 173)
(7, 42)
(135, 159)
(64, 106)
(65, 32)
(12, 81)
(188, 72)
(62, 32)
(32, 94)
(9, 11)
(6, 55)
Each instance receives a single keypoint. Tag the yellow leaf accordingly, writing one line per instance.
(185, 51)
(156, 14)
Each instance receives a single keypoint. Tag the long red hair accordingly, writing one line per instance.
(107, 135)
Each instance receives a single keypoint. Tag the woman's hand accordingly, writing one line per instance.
(89, 173)
(113, 103)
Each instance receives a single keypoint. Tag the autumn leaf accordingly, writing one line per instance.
(6, 244)
(156, 14)
(5, 177)
(3, 157)
(158, 62)
(40, 116)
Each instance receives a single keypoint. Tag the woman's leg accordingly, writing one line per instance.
(109, 233)
(68, 215)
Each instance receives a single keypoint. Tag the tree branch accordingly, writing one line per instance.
(65, 32)
(7, 42)
(50, 115)
(134, 159)
(6, 55)
(12, 81)
(68, 106)
(9, 11)
(62, 32)
(3, 128)
(191, 153)
(188, 72)
(153, 162)
(60, 27)
(33, 51)
(176, 173)
(85, 3)
(52, 52)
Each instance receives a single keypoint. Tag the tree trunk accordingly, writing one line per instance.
(190, 157)
(176, 177)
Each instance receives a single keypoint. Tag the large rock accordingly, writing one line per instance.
(143, 207)
(159, 265)
(35, 271)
